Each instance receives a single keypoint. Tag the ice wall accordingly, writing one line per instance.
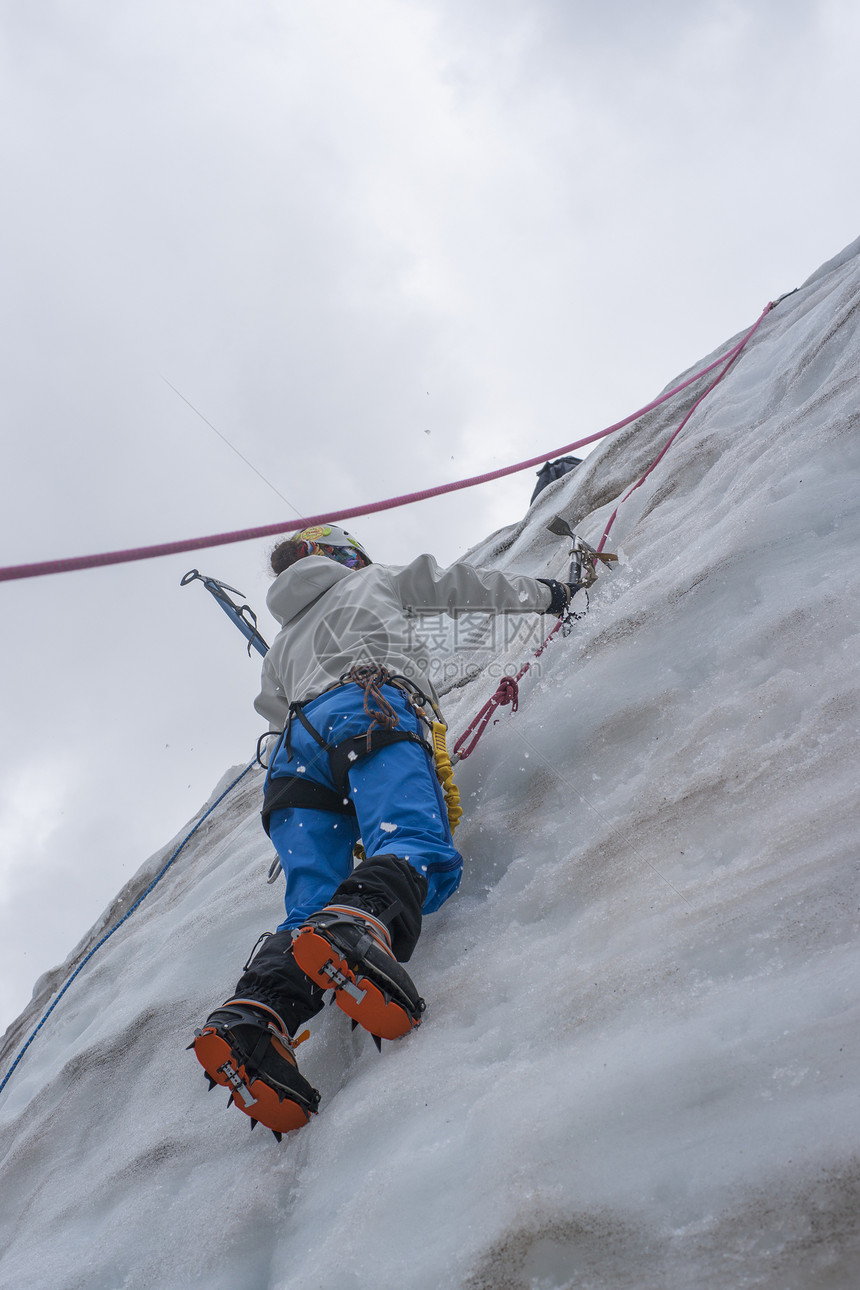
(638, 1065)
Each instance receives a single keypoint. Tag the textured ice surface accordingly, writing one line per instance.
(638, 1064)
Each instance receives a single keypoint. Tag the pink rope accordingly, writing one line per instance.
(728, 360)
(68, 565)
(508, 690)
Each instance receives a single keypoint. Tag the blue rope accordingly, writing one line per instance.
(126, 915)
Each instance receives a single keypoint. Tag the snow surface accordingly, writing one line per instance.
(638, 1064)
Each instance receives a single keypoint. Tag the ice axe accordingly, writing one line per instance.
(582, 556)
(242, 615)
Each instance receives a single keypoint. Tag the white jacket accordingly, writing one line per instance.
(332, 617)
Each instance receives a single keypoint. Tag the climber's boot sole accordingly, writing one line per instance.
(347, 951)
(282, 1101)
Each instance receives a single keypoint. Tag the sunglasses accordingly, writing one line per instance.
(342, 554)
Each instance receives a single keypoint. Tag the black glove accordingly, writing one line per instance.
(562, 594)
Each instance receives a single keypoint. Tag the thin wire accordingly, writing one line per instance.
(568, 783)
(232, 446)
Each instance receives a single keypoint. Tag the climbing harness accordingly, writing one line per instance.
(380, 734)
(242, 615)
(283, 791)
(128, 913)
(296, 791)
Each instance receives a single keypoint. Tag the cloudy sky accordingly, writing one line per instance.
(377, 246)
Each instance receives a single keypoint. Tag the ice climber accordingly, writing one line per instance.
(346, 693)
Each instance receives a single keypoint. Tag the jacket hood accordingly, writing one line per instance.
(303, 583)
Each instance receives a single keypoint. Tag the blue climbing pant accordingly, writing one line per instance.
(399, 807)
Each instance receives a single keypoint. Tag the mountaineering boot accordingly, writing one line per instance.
(348, 950)
(244, 1046)
(272, 979)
